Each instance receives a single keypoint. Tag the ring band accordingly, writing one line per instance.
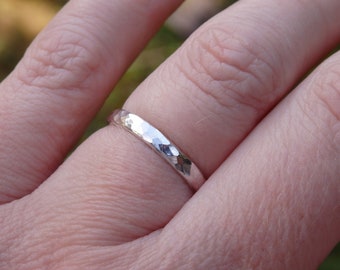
(162, 145)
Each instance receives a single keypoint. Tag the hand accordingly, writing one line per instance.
(271, 159)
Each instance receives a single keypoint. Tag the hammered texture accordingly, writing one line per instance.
(155, 139)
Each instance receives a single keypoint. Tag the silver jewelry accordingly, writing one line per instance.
(158, 142)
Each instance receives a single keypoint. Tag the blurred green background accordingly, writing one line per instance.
(21, 20)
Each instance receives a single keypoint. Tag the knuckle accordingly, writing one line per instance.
(231, 69)
(59, 61)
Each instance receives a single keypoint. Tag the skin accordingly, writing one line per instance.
(234, 98)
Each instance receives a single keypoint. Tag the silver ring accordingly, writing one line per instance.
(161, 144)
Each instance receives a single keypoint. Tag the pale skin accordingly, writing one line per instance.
(234, 97)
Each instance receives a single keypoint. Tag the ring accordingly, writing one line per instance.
(161, 144)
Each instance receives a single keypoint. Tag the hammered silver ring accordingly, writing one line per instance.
(161, 144)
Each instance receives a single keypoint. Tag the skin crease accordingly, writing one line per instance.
(271, 200)
(71, 65)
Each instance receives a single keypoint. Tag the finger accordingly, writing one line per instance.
(232, 71)
(127, 181)
(63, 79)
(274, 204)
